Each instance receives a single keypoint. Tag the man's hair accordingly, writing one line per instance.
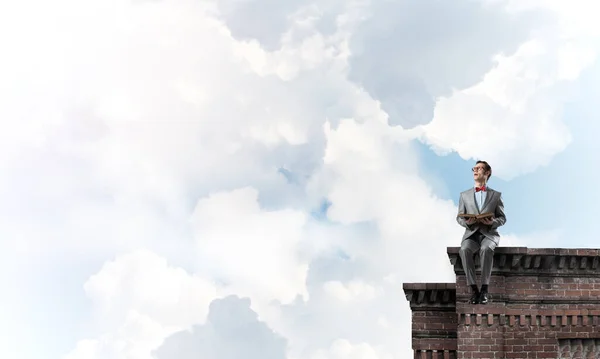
(487, 168)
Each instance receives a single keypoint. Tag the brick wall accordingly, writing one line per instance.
(545, 303)
(434, 319)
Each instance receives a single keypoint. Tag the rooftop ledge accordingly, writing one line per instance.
(558, 262)
(541, 251)
(431, 296)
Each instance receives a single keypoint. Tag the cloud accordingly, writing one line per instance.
(139, 299)
(232, 331)
(407, 54)
(271, 28)
(513, 116)
(371, 172)
(146, 124)
(394, 50)
(145, 282)
(134, 339)
(258, 252)
(355, 290)
(368, 313)
(344, 349)
(550, 238)
(368, 177)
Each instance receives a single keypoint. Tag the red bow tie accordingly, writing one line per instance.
(482, 188)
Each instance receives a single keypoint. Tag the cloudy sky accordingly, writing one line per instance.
(187, 179)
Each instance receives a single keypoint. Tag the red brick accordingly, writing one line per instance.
(529, 313)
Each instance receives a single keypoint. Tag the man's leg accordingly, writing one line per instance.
(486, 256)
(468, 248)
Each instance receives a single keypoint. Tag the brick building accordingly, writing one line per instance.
(545, 303)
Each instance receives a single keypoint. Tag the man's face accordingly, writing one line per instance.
(479, 172)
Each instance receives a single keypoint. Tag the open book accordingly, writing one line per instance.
(477, 216)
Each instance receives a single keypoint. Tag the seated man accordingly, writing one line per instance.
(480, 234)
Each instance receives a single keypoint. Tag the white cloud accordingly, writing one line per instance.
(232, 331)
(408, 54)
(137, 338)
(355, 290)
(540, 239)
(513, 117)
(139, 300)
(342, 349)
(371, 177)
(256, 251)
(144, 282)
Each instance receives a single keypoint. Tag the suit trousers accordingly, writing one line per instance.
(477, 242)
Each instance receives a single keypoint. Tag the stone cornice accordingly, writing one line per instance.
(554, 262)
(430, 296)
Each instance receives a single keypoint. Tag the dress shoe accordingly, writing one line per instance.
(484, 298)
(474, 298)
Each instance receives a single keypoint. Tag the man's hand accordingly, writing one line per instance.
(487, 221)
(470, 221)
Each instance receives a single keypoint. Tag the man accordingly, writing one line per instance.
(480, 235)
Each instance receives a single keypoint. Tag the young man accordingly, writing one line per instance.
(480, 235)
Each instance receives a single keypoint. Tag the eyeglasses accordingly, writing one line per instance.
(475, 169)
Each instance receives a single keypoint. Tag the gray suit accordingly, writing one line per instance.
(478, 236)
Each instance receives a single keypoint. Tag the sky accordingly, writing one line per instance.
(256, 179)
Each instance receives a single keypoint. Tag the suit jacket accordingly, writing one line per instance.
(493, 203)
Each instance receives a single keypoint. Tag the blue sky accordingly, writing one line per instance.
(165, 164)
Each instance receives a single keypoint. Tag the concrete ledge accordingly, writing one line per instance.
(428, 286)
(540, 251)
(555, 262)
(430, 296)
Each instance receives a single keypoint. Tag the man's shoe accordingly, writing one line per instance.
(484, 298)
(474, 298)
